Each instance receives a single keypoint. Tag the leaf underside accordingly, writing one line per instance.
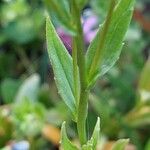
(111, 50)
(62, 65)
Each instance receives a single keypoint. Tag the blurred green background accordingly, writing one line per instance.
(31, 112)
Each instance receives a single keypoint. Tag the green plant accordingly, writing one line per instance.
(75, 76)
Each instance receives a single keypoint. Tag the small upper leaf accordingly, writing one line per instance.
(62, 66)
(91, 144)
(95, 135)
(65, 142)
(120, 144)
(112, 45)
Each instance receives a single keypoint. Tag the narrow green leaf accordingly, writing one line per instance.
(62, 66)
(95, 135)
(111, 49)
(61, 11)
(91, 144)
(97, 57)
(65, 142)
(120, 144)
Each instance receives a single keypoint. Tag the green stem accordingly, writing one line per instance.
(83, 101)
(82, 115)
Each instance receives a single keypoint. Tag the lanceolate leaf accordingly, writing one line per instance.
(120, 144)
(95, 136)
(62, 66)
(65, 142)
(113, 42)
(91, 144)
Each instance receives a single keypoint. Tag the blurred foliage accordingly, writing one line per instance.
(19, 22)
(29, 101)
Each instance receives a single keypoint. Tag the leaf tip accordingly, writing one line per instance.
(47, 21)
(63, 130)
(98, 123)
(63, 127)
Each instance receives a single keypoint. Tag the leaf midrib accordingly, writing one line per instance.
(63, 68)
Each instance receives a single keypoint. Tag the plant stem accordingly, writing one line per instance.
(82, 115)
(83, 101)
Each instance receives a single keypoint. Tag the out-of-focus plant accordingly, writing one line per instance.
(19, 23)
(6, 126)
(129, 122)
(16, 118)
(9, 89)
(26, 112)
(140, 115)
(75, 76)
